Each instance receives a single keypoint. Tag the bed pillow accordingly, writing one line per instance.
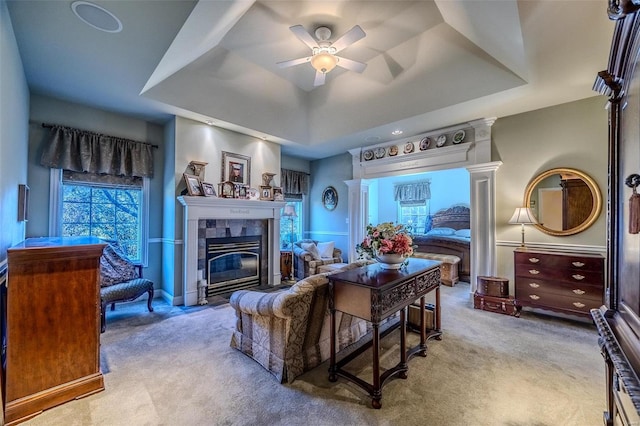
(312, 249)
(326, 249)
(441, 231)
(463, 233)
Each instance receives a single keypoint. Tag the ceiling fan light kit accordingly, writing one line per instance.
(324, 58)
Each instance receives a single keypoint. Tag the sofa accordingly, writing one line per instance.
(307, 262)
(288, 331)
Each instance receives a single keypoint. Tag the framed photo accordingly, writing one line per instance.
(236, 168)
(208, 189)
(266, 193)
(193, 184)
(277, 194)
(330, 198)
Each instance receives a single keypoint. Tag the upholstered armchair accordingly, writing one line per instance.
(288, 331)
(120, 281)
(309, 255)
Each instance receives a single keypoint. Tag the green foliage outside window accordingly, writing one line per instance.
(104, 212)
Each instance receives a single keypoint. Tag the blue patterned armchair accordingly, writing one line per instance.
(120, 281)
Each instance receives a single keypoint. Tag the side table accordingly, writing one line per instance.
(374, 294)
(285, 265)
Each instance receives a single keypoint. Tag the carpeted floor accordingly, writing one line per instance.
(175, 367)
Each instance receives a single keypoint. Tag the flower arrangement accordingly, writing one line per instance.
(385, 238)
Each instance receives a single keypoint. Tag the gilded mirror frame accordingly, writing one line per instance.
(595, 193)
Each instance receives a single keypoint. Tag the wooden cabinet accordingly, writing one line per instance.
(564, 282)
(53, 324)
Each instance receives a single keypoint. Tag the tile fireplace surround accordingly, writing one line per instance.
(197, 208)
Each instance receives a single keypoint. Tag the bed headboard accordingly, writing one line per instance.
(456, 217)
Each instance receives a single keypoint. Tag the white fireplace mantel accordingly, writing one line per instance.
(196, 208)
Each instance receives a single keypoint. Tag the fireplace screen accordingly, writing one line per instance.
(233, 263)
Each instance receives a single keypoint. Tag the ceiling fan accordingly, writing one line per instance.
(324, 57)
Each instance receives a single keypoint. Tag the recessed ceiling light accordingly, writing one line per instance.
(396, 132)
(96, 16)
(209, 122)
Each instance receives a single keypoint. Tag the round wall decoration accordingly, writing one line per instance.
(330, 198)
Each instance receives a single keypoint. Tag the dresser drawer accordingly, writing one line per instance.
(537, 286)
(560, 261)
(564, 275)
(540, 299)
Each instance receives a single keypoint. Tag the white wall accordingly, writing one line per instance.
(571, 135)
(14, 118)
(196, 141)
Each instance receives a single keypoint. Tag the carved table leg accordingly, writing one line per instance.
(403, 343)
(332, 337)
(377, 386)
(423, 326)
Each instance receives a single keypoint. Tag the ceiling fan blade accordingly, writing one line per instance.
(319, 80)
(354, 34)
(304, 36)
(293, 62)
(350, 64)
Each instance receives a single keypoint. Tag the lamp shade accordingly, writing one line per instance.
(324, 62)
(289, 211)
(524, 216)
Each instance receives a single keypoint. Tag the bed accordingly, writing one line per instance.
(450, 234)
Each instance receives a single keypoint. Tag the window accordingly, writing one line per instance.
(291, 227)
(108, 207)
(413, 216)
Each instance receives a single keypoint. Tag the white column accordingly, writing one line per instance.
(482, 178)
(358, 213)
(274, 247)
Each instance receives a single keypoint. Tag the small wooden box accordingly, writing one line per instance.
(501, 305)
(413, 318)
(493, 286)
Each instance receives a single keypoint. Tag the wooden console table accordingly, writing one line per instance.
(374, 294)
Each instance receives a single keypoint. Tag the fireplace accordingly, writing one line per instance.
(232, 263)
(215, 218)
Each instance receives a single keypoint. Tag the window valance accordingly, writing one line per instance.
(412, 193)
(83, 151)
(294, 184)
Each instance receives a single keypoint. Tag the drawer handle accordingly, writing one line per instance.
(578, 277)
(534, 285)
(579, 292)
(579, 305)
(577, 264)
(534, 260)
(534, 272)
(534, 296)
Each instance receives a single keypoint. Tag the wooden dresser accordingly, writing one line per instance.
(570, 283)
(53, 324)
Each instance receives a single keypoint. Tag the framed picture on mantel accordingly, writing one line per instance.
(236, 168)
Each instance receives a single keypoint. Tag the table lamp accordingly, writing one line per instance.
(290, 212)
(523, 216)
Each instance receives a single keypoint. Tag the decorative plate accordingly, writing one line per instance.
(424, 143)
(441, 140)
(393, 150)
(368, 155)
(253, 194)
(458, 136)
(380, 152)
(408, 147)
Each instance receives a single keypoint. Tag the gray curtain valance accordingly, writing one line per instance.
(294, 184)
(412, 193)
(82, 151)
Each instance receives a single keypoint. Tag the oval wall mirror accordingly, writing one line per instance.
(565, 201)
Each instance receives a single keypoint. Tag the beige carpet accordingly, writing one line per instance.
(175, 367)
